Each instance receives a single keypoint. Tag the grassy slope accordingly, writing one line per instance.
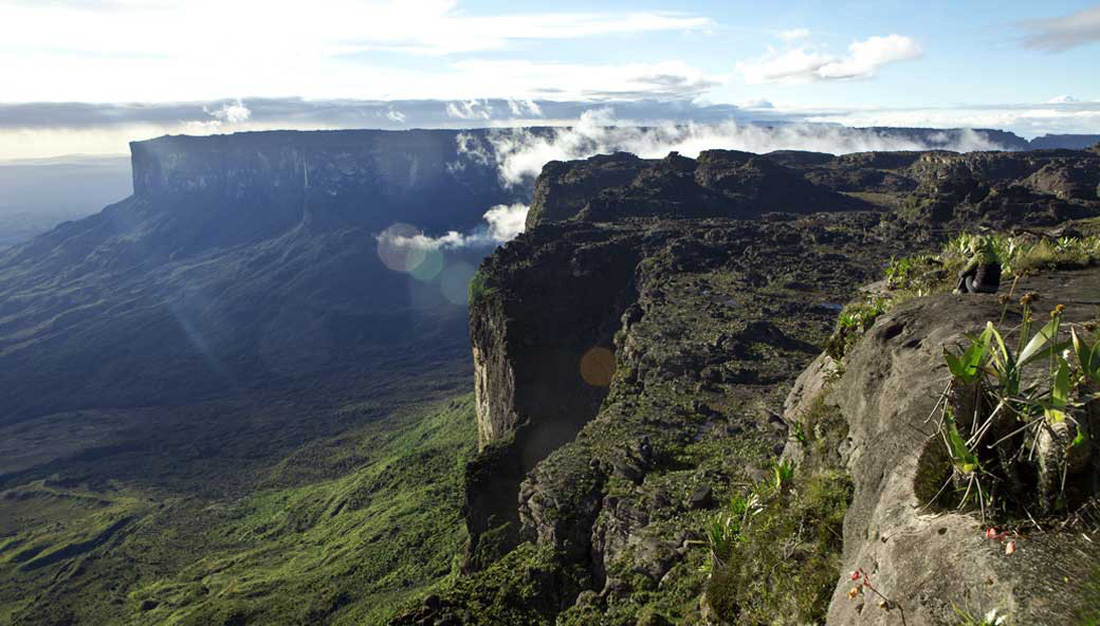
(341, 531)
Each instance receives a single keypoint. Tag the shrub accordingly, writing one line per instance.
(478, 289)
(780, 564)
(854, 320)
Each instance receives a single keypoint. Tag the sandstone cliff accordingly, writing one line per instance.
(933, 561)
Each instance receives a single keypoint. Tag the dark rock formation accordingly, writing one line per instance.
(1063, 142)
(718, 280)
(719, 183)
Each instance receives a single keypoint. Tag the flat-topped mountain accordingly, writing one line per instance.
(239, 260)
(224, 403)
(228, 336)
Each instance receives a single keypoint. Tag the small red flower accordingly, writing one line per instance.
(1010, 547)
(991, 533)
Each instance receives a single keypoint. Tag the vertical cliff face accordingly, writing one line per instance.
(546, 309)
(239, 259)
(542, 366)
(367, 177)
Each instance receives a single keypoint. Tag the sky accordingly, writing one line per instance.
(87, 76)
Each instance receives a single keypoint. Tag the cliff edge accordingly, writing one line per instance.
(634, 351)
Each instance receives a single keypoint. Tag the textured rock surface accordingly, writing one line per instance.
(713, 302)
(929, 561)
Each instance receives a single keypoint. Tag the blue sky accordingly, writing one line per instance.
(137, 68)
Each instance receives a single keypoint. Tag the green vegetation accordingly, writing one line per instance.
(1089, 611)
(477, 288)
(967, 618)
(925, 274)
(525, 588)
(1019, 424)
(1021, 254)
(778, 559)
(854, 320)
(342, 531)
(775, 550)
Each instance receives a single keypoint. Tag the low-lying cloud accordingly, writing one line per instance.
(520, 154)
(503, 223)
(224, 117)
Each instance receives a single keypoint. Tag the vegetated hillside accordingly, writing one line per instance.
(340, 531)
(634, 353)
(196, 378)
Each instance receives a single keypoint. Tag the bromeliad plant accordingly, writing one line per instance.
(726, 529)
(1017, 424)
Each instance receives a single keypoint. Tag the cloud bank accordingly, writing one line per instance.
(53, 129)
(520, 154)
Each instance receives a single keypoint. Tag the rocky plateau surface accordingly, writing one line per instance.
(635, 349)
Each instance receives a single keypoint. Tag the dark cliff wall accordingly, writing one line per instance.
(365, 177)
(720, 301)
(720, 183)
(541, 366)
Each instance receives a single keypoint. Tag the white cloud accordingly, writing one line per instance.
(234, 113)
(805, 63)
(506, 222)
(794, 34)
(470, 110)
(523, 107)
(1063, 100)
(503, 223)
(55, 51)
(520, 154)
(1062, 33)
(394, 115)
(231, 114)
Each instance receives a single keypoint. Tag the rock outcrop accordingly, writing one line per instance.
(709, 284)
(927, 561)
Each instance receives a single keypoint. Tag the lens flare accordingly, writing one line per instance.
(396, 253)
(598, 367)
(454, 282)
(429, 267)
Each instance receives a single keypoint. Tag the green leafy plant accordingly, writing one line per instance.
(800, 433)
(1087, 356)
(725, 529)
(783, 474)
(1002, 421)
(477, 289)
(855, 320)
(1020, 254)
